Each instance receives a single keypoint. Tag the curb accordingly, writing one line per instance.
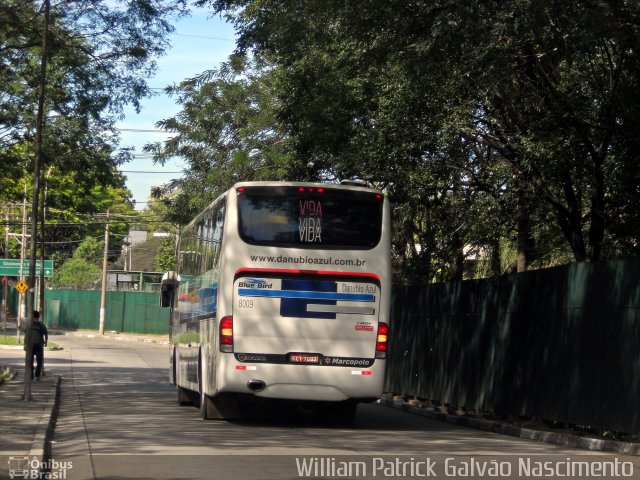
(20, 347)
(121, 338)
(564, 439)
(41, 445)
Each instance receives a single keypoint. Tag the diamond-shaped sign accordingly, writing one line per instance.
(22, 287)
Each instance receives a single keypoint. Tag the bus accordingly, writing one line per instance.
(283, 296)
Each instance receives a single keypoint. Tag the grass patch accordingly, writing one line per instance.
(11, 341)
(190, 337)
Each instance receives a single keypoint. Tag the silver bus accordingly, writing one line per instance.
(284, 295)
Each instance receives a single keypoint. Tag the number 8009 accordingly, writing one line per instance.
(245, 303)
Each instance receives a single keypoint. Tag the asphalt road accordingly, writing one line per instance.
(119, 419)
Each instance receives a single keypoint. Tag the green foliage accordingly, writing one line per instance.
(90, 250)
(227, 131)
(77, 274)
(166, 255)
(71, 218)
(100, 55)
(154, 214)
(489, 123)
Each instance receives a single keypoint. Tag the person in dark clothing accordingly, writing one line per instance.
(38, 337)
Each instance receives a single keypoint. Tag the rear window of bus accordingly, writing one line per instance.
(310, 217)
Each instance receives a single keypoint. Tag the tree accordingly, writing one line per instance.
(227, 131)
(91, 250)
(77, 274)
(518, 111)
(355, 107)
(100, 55)
(564, 107)
(166, 255)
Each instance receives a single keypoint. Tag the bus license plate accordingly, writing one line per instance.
(304, 358)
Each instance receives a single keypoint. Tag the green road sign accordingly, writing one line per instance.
(10, 267)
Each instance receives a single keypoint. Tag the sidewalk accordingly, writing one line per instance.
(26, 425)
(503, 427)
(11, 326)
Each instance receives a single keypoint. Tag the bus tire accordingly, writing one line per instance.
(185, 397)
(220, 409)
(173, 378)
(205, 408)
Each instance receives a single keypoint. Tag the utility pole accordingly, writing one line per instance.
(23, 245)
(42, 252)
(5, 289)
(37, 162)
(177, 246)
(126, 254)
(103, 294)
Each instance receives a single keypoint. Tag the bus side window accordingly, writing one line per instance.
(217, 227)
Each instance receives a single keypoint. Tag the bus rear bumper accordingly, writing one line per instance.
(297, 382)
(292, 391)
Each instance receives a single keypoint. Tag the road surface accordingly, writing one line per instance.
(119, 419)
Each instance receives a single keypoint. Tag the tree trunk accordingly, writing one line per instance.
(597, 228)
(457, 262)
(570, 219)
(524, 241)
(495, 264)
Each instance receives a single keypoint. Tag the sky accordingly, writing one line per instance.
(200, 42)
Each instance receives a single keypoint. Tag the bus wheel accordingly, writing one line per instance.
(185, 397)
(219, 409)
(173, 378)
(205, 406)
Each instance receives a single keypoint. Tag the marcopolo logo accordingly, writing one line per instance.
(347, 362)
(33, 468)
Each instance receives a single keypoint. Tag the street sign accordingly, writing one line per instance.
(11, 267)
(22, 287)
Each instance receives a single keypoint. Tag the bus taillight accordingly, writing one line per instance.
(226, 334)
(382, 340)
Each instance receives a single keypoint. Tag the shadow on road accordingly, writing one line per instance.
(135, 411)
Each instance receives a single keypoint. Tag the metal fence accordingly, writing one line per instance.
(131, 312)
(557, 344)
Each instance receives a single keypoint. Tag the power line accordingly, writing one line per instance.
(145, 171)
(65, 242)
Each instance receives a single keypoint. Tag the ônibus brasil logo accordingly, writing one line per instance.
(33, 468)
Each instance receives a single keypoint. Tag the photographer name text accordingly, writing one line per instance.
(451, 467)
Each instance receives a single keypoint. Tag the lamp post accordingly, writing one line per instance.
(103, 293)
(42, 252)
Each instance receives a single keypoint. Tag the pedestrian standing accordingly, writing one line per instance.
(37, 336)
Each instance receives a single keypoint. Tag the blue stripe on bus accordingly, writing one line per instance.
(352, 297)
(299, 307)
